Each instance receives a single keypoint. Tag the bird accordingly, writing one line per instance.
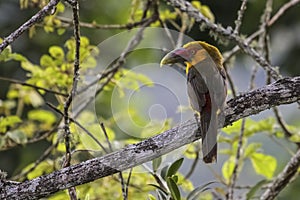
(206, 89)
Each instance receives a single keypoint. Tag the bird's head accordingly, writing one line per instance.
(193, 53)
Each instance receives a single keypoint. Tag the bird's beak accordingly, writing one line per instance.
(179, 55)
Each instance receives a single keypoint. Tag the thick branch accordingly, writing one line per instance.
(284, 91)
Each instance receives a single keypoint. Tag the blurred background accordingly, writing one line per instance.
(159, 102)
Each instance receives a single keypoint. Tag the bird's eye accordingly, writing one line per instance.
(193, 52)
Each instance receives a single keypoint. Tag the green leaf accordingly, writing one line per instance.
(175, 193)
(295, 137)
(175, 178)
(162, 196)
(43, 116)
(234, 128)
(251, 148)
(253, 190)
(48, 29)
(195, 193)
(156, 163)
(164, 171)
(151, 197)
(264, 165)
(174, 167)
(227, 168)
(18, 57)
(159, 188)
(44, 167)
(28, 66)
(5, 55)
(47, 61)
(61, 31)
(8, 121)
(205, 10)
(57, 52)
(60, 7)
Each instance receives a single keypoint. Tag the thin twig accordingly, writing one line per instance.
(252, 77)
(106, 137)
(193, 166)
(156, 177)
(80, 126)
(283, 178)
(182, 30)
(134, 41)
(67, 104)
(128, 181)
(37, 162)
(168, 34)
(282, 10)
(238, 21)
(229, 79)
(230, 194)
(94, 25)
(123, 184)
(282, 145)
(229, 54)
(283, 125)
(284, 91)
(40, 136)
(33, 86)
(88, 100)
(271, 22)
(227, 33)
(24, 27)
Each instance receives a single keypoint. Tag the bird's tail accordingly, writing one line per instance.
(209, 130)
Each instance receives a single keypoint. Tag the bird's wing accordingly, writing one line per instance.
(196, 89)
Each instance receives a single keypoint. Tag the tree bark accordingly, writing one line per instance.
(283, 91)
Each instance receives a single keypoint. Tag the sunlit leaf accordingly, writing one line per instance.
(42, 116)
(263, 164)
(205, 10)
(295, 137)
(47, 61)
(61, 31)
(234, 128)
(56, 52)
(151, 197)
(44, 167)
(227, 168)
(252, 148)
(8, 121)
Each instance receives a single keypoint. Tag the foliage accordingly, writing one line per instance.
(31, 109)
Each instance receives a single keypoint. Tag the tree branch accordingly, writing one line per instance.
(227, 33)
(24, 27)
(284, 91)
(283, 178)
